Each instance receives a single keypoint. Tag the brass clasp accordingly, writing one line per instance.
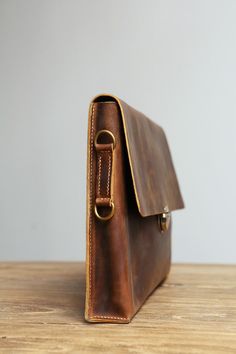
(164, 220)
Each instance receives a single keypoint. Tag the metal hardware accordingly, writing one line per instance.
(104, 131)
(164, 220)
(107, 217)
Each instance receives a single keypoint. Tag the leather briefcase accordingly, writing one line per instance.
(131, 191)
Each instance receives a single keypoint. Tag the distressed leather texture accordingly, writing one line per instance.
(127, 256)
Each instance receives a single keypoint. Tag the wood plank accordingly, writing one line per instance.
(42, 309)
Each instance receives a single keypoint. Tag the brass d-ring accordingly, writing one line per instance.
(104, 131)
(107, 217)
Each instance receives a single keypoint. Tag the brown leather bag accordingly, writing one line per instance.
(131, 191)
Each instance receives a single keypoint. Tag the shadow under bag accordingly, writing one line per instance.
(131, 191)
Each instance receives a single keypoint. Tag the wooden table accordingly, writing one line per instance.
(42, 306)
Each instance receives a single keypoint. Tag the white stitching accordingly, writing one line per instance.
(112, 317)
(90, 221)
(109, 173)
(99, 174)
(100, 171)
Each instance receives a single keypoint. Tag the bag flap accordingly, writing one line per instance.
(155, 183)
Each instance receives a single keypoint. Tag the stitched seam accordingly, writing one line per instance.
(90, 221)
(109, 173)
(90, 226)
(112, 317)
(99, 173)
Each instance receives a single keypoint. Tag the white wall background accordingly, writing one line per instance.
(173, 60)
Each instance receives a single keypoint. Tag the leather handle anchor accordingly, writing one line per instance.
(104, 144)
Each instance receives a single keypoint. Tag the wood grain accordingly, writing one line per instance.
(42, 309)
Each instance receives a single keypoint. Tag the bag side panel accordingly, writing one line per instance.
(108, 285)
